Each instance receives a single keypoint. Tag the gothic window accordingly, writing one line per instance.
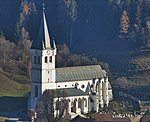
(50, 59)
(85, 102)
(45, 59)
(34, 59)
(38, 59)
(66, 105)
(57, 105)
(79, 103)
(36, 91)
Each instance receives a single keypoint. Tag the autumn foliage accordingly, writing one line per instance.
(124, 22)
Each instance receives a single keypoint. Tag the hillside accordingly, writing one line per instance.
(92, 31)
(9, 87)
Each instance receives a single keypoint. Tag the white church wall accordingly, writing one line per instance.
(81, 84)
(105, 92)
(65, 85)
(48, 86)
(100, 93)
(47, 76)
(44, 77)
(91, 106)
(73, 99)
(110, 95)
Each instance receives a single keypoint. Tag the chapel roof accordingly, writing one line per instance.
(69, 92)
(79, 73)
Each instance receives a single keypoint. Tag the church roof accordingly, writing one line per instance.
(79, 73)
(70, 92)
(43, 41)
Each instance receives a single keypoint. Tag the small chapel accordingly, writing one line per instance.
(87, 87)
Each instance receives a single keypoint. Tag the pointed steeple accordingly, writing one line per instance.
(43, 41)
(54, 44)
(46, 33)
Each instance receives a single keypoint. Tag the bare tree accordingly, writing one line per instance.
(66, 58)
(50, 107)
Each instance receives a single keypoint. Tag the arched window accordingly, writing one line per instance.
(50, 59)
(36, 91)
(34, 59)
(79, 103)
(45, 59)
(57, 105)
(85, 102)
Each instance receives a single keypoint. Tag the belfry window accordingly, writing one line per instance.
(34, 59)
(45, 59)
(36, 91)
(50, 59)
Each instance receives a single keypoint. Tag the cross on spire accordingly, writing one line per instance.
(43, 7)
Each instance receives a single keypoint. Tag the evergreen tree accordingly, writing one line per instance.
(138, 12)
(17, 31)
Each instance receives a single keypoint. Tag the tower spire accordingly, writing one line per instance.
(54, 44)
(43, 41)
(46, 36)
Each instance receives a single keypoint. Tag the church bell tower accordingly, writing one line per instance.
(43, 74)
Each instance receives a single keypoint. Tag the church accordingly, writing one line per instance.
(87, 87)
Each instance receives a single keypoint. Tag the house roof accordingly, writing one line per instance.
(69, 92)
(79, 118)
(124, 119)
(103, 117)
(146, 118)
(79, 73)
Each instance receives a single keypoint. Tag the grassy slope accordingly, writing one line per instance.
(141, 70)
(2, 119)
(9, 87)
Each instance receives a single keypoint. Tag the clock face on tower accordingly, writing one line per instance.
(48, 52)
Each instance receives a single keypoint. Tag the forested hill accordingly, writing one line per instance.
(116, 32)
(108, 29)
(100, 19)
(9, 12)
(85, 12)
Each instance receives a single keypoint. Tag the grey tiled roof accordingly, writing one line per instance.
(68, 92)
(79, 73)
